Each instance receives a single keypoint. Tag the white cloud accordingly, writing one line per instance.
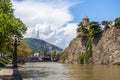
(50, 17)
(60, 36)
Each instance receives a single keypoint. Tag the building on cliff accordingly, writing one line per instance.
(105, 46)
(84, 23)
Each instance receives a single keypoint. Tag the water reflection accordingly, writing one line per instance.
(93, 72)
(58, 71)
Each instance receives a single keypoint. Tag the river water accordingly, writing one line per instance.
(58, 71)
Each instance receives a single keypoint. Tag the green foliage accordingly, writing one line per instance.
(116, 63)
(39, 45)
(88, 54)
(83, 30)
(89, 43)
(94, 28)
(107, 24)
(6, 6)
(117, 22)
(23, 50)
(9, 24)
(90, 32)
(81, 58)
(53, 53)
(63, 56)
(3, 62)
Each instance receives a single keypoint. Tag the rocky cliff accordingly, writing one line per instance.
(71, 53)
(106, 48)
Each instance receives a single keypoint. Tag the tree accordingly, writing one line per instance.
(53, 53)
(82, 29)
(89, 32)
(94, 28)
(117, 22)
(23, 50)
(9, 24)
(107, 24)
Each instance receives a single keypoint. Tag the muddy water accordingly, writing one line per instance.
(58, 71)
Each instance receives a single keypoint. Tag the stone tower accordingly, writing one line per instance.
(85, 21)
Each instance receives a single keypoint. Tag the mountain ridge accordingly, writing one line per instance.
(39, 44)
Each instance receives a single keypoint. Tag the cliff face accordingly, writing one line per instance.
(106, 49)
(71, 53)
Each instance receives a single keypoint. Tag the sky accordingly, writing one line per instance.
(55, 21)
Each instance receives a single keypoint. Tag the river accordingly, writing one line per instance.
(58, 71)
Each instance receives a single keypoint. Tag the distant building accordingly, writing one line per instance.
(85, 23)
(36, 54)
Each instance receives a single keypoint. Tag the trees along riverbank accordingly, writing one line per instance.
(9, 27)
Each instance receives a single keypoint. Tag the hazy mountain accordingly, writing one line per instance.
(38, 45)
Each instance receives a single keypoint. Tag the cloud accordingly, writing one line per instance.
(60, 36)
(51, 18)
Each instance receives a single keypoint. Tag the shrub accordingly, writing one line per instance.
(81, 58)
(3, 62)
(63, 56)
(116, 63)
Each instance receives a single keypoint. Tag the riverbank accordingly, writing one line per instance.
(9, 73)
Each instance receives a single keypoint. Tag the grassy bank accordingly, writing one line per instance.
(3, 62)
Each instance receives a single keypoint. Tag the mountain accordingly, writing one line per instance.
(38, 45)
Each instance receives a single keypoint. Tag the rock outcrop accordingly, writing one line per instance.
(71, 53)
(106, 48)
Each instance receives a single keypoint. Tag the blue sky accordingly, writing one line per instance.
(97, 10)
(56, 20)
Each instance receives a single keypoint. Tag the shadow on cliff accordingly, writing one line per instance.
(97, 38)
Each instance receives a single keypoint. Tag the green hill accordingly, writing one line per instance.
(38, 45)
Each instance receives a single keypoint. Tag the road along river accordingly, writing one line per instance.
(58, 71)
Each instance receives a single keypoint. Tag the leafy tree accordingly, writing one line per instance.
(90, 32)
(9, 24)
(23, 50)
(117, 22)
(94, 28)
(107, 24)
(82, 29)
(53, 53)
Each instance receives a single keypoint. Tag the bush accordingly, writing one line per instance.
(63, 56)
(3, 62)
(81, 58)
(117, 22)
(116, 63)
